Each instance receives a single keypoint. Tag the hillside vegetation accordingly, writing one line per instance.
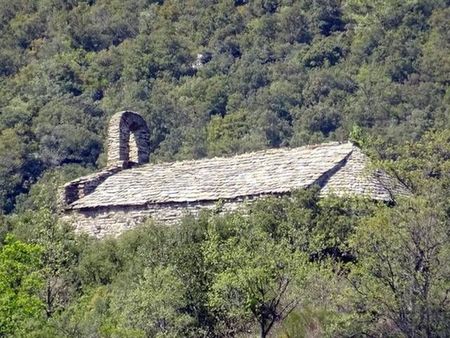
(217, 78)
(276, 73)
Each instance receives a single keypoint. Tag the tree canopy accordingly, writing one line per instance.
(212, 78)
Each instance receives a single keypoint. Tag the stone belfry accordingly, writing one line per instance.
(128, 139)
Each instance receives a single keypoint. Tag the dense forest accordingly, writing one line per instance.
(213, 78)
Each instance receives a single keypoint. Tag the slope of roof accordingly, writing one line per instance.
(338, 167)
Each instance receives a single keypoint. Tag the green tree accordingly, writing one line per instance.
(154, 305)
(59, 253)
(17, 165)
(254, 276)
(20, 284)
(402, 275)
(38, 223)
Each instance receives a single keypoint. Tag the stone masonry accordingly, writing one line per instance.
(129, 189)
(128, 139)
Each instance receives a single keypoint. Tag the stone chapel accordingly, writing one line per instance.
(130, 189)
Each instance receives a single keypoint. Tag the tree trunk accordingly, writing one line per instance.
(262, 325)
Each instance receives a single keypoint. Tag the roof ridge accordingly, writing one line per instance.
(252, 153)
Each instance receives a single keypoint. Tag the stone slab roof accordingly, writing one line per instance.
(339, 168)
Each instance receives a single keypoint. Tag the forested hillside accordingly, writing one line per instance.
(273, 73)
(217, 78)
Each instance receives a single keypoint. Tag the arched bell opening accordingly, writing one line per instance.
(128, 139)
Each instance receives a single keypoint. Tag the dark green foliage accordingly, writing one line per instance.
(273, 73)
(291, 266)
(401, 279)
